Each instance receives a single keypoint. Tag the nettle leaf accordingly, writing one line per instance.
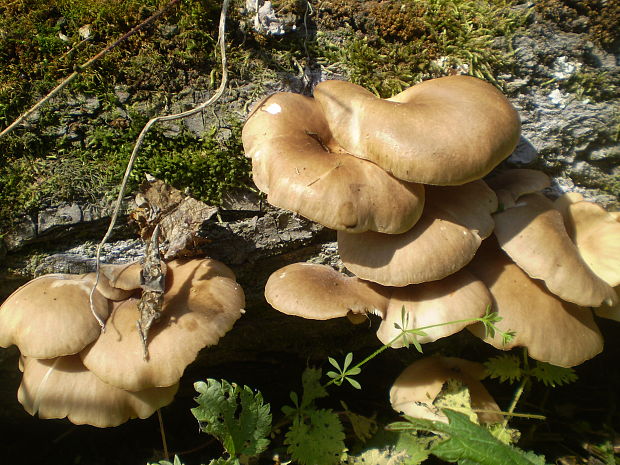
(311, 383)
(177, 461)
(455, 395)
(386, 456)
(552, 375)
(503, 433)
(223, 461)
(504, 367)
(363, 427)
(316, 439)
(468, 443)
(235, 415)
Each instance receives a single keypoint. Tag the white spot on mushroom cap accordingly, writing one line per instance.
(274, 109)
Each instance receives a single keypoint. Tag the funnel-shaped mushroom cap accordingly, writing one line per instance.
(63, 387)
(297, 163)
(457, 297)
(50, 316)
(415, 390)
(445, 131)
(554, 331)
(533, 234)
(596, 234)
(454, 222)
(318, 292)
(201, 303)
(509, 185)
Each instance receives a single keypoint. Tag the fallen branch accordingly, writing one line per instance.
(86, 65)
(151, 122)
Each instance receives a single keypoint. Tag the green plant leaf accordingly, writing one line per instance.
(363, 427)
(236, 416)
(316, 439)
(311, 383)
(354, 383)
(224, 461)
(504, 367)
(177, 461)
(467, 443)
(552, 375)
(455, 395)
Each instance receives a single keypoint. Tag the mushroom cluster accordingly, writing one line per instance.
(424, 232)
(72, 369)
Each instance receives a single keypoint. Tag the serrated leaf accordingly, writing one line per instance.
(552, 375)
(392, 448)
(177, 461)
(386, 456)
(235, 415)
(505, 367)
(503, 433)
(454, 395)
(223, 461)
(311, 383)
(363, 427)
(468, 443)
(317, 439)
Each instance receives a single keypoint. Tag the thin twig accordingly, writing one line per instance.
(163, 434)
(86, 65)
(134, 153)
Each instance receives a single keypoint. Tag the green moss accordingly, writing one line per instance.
(409, 41)
(602, 17)
(591, 84)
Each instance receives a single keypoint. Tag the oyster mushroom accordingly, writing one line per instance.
(446, 131)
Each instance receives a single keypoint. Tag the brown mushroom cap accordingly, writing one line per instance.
(457, 297)
(417, 387)
(63, 387)
(611, 313)
(445, 131)
(511, 184)
(554, 331)
(125, 276)
(201, 303)
(297, 163)
(318, 292)
(454, 222)
(596, 234)
(533, 234)
(50, 316)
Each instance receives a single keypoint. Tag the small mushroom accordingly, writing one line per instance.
(419, 385)
(50, 316)
(318, 292)
(446, 131)
(296, 162)
(596, 233)
(201, 303)
(63, 387)
(533, 234)
(459, 296)
(554, 331)
(511, 184)
(454, 222)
